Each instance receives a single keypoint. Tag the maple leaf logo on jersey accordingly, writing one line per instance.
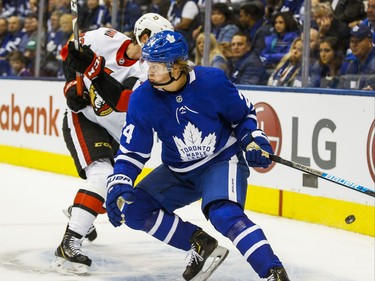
(192, 147)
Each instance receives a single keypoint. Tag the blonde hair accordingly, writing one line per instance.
(183, 65)
(66, 19)
(323, 9)
(289, 54)
(215, 49)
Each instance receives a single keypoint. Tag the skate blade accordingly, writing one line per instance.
(66, 267)
(213, 262)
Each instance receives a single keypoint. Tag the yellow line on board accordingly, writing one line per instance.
(298, 206)
(315, 209)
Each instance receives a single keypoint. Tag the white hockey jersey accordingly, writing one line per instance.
(112, 45)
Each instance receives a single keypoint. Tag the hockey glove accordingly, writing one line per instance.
(74, 101)
(257, 142)
(85, 61)
(118, 186)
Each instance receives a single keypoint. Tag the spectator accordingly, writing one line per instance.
(296, 7)
(326, 72)
(216, 57)
(185, 18)
(245, 67)
(271, 8)
(14, 8)
(349, 11)
(278, 43)
(66, 28)
(53, 33)
(293, 6)
(253, 23)
(93, 16)
(30, 32)
(17, 63)
(4, 68)
(370, 20)
(223, 26)
(32, 7)
(288, 71)
(61, 5)
(360, 73)
(314, 45)
(159, 7)
(131, 13)
(329, 25)
(14, 29)
(52, 62)
(4, 38)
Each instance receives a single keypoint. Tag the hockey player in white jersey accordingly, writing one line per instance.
(92, 124)
(205, 125)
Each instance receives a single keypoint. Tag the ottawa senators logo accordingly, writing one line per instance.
(101, 108)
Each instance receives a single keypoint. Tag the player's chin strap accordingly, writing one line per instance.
(170, 80)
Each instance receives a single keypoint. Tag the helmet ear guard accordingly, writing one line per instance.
(151, 22)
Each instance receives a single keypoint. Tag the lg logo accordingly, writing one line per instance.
(371, 150)
(269, 122)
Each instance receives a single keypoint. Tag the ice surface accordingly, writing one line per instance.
(32, 225)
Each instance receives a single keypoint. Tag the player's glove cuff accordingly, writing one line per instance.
(95, 68)
(118, 179)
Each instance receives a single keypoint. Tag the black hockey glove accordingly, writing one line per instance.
(75, 101)
(85, 61)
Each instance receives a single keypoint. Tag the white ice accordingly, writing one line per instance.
(32, 225)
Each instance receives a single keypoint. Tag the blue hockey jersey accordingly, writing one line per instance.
(200, 124)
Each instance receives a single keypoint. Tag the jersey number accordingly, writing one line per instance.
(128, 132)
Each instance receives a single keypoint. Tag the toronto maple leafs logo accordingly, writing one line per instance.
(192, 147)
(170, 38)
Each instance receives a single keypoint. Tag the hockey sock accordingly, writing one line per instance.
(170, 229)
(229, 219)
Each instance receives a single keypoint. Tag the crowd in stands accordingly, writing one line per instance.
(256, 42)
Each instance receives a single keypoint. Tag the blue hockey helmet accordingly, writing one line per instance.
(166, 47)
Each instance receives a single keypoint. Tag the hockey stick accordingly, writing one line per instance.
(314, 172)
(74, 10)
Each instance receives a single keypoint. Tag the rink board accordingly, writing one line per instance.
(329, 132)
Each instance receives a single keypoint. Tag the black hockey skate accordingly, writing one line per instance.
(278, 274)
(206, 256)
(70, 250)
(91, 233)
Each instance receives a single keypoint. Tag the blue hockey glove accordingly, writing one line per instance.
(119, 192)
(257, 150)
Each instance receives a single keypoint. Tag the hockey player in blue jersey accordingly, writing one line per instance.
(205, 125)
